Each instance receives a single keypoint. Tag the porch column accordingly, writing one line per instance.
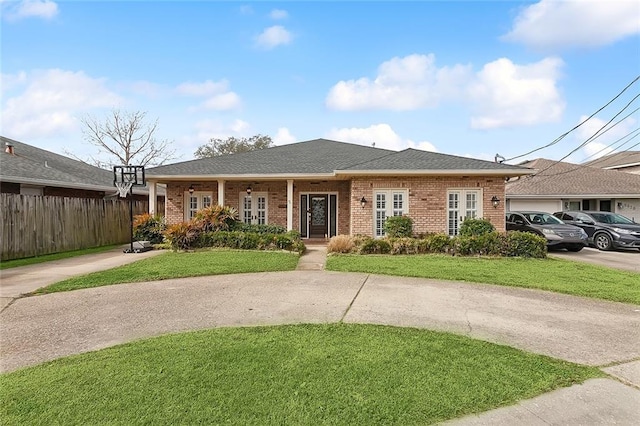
(289, 204)
(153, 198)
(221, 192)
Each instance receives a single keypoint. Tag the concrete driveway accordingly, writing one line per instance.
(628, 260)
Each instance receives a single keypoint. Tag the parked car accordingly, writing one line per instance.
(606, 230)
(558, 234)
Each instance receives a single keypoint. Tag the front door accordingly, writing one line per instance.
(318, 220)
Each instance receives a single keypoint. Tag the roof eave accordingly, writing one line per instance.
(432, 172)
(247, 176)
(58, 184)
(562, 196)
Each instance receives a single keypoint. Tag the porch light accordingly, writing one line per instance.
(191, 189)
(363, 202)
(248, 190)
(495, 201)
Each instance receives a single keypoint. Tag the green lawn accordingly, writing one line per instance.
(6, 264)
(337, 374)
(179, 265)
(558, 275)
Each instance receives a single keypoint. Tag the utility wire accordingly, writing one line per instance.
(613, 143)
(559, 138)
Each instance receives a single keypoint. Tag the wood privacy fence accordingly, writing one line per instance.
(35, 225)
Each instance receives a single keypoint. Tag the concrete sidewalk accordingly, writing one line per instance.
(587, 331)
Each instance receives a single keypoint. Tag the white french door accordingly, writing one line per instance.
(196, 201)
(462, 204)
(388, 203)
(254, 208)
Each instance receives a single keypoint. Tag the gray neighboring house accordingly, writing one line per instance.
(626, 161)
(27, 170)
(558, 186)
(322, 188)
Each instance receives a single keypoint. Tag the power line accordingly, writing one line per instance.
(613, 143)
(559, 138)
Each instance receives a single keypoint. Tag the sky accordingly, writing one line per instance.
(475, 78)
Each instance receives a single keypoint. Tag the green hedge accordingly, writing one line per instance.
(251, 241)
(259, 229)
(398, 226)
(511, 244)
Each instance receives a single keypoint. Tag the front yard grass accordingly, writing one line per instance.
(6, 264)
(557, 275)
(182, 264)
(338, 374)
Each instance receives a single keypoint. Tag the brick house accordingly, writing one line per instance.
(324, 188)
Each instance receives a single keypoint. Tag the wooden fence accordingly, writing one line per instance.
(35, 225)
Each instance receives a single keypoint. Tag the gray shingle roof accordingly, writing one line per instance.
(413, 159)
(314, 156)
(616, 159)
(322, 156)
(573, 179)
(34, 164)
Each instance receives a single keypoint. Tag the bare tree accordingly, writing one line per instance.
(126, 139)
(232, 145)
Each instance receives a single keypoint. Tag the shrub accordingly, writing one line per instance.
(215, 218)
(340, 244)
(435, 243)
(471, 227)
(251, 241)
(524, 244)
(398, 226)
(259, 229)
(181, 236)
(148, 227)
(375, 246)
(404, 245)
(489, 244)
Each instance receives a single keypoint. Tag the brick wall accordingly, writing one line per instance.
(427, 200)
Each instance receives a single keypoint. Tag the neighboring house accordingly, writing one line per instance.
(561, 186)
(27, 170)
(323, 188)
(626, 161)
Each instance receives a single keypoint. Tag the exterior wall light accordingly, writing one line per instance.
(495, 201)
(363, 202)
(248, 190)
(191, 189)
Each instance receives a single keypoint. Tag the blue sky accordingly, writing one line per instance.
(465, 78)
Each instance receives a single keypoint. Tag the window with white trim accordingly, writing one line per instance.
(389, 202)
(462, 204)
(254, 208)
(196, 201)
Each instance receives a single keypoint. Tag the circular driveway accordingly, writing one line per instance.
(628, 260)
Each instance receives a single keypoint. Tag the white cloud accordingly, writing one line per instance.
(501, 94)
(45, 9)
(600, 145)
(505, 94)
(274, 36)
(50, 102)
(222, 102)
(381, 134)
(219, 97)
(278, 14)
(283, 137)
(401, 84)
(239, 126)
(552, 23)
(11, 81)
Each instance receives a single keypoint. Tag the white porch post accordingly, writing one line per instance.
(221, 192)
(289, 204)
(153, 198)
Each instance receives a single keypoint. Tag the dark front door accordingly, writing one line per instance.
(318, 220)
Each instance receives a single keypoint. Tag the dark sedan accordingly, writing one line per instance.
(558, 234)
(606, 230)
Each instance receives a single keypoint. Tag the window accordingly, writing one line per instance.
(462, 204)
(254, 208)
(392, 202)
(196, 201)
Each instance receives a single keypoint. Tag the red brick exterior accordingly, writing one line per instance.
(427, 199)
